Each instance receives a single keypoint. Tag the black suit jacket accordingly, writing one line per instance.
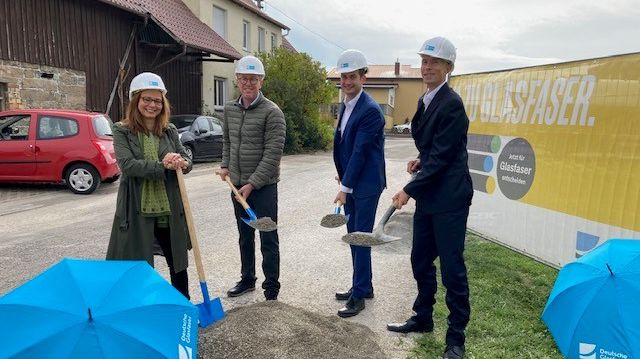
(440, 133)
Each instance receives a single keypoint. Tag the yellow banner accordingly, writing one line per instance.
(564, 137)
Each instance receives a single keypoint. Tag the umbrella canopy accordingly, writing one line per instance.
(593, 310)
(97, 309)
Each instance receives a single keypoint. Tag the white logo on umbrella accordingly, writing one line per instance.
(587, 351)
(185, 352)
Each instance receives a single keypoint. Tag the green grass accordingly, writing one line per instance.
(508, 294)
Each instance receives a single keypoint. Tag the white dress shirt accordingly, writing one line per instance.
(348, 109)
(428, 97)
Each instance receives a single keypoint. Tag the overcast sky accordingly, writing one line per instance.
(489, 35)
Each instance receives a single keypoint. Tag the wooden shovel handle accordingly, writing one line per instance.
(239, 197)
(191, 227)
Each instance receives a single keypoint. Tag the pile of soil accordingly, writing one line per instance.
(276, 330)
(333, 220)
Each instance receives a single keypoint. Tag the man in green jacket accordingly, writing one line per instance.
(254, 135)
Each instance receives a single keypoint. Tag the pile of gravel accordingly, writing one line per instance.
(276, 330)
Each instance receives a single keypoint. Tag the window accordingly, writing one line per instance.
(201, 125)
(274, 41)
(261, 39)
(102, 126)
(246, 39)
(15, 127)
(219, 92)
(3, 96)
(55, 127)
(220, 21)
(392, 97)
(217, 129)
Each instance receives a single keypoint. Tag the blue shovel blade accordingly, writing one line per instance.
(252, 216)
(210, 311)
(346, 216)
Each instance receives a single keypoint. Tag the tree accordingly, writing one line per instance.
(298, 84)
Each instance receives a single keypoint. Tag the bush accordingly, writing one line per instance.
(298, 84)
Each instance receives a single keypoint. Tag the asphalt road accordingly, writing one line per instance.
(40, 225)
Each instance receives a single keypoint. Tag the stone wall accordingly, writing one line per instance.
(37, 86)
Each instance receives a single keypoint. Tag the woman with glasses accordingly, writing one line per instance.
(149, 206)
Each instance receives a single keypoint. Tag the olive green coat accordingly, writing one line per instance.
(132, 234)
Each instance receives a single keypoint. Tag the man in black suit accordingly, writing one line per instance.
(442, 189)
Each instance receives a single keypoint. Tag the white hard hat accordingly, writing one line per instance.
(146, 81)
(439, 47)
(250, 65)
(351, 60)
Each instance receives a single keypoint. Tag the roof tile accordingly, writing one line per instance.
(182, 24)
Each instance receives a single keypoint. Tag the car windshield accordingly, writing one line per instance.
(181, 122)
(102, 125)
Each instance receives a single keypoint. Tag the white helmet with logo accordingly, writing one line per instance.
(439, 47)
(146, 81)
(351, 60)
(250, 65)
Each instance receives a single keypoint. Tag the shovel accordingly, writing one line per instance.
(378, 236)
(374, 238)
(209, 311)
(335, 219)
(263, 224)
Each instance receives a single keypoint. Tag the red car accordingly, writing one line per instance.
(59, 146)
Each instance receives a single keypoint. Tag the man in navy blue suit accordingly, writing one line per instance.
(358, 153)
(443, 191)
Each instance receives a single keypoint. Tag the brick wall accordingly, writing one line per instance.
(36, 86)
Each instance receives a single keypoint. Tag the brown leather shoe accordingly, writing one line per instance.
(352, 308)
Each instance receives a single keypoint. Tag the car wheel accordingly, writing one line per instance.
(189, 151)
(406, 130)
(82, 178)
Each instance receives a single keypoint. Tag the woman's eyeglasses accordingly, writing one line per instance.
(149, 100)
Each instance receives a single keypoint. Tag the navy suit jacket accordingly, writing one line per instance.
(440, 133)
(358, 153)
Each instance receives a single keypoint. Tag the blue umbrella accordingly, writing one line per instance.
(593, 310)
(98, 309)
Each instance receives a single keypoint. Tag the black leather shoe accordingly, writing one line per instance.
(270, 296)
(241, 288)
(453, 352)
(410, 326)
(352, 308)
(347, 294)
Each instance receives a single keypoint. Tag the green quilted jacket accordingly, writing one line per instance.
(253, 142)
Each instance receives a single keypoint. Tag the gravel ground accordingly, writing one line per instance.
(273, 329)
(276, 330)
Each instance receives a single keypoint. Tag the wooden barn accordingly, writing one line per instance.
(82, 54)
